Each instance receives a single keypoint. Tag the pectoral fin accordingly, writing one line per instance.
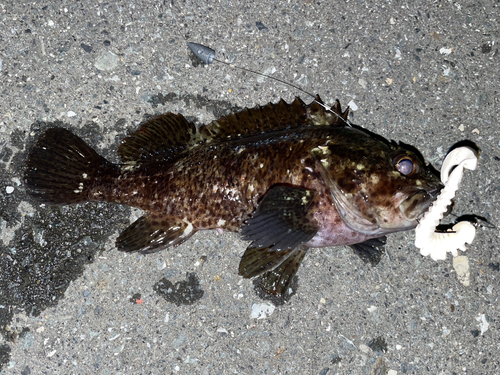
(149, 234)
(280, 222)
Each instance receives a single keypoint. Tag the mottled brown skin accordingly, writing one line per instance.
(219, 185)
(218, 182)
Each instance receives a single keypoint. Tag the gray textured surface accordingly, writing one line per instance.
(68, 298)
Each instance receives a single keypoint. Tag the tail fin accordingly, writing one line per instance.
(62, 168)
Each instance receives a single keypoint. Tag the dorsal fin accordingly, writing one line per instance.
(164, 137)
(160, 138)
(273, 117)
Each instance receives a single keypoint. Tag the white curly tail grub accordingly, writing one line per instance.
(437, 244)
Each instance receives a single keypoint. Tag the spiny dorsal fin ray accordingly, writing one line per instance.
(338, 110)
(273, 117)
(160, 138)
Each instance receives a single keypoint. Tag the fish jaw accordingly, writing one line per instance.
(416, 205)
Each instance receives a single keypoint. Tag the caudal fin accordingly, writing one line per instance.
(62, 168)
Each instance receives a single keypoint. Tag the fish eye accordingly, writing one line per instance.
(406, 166)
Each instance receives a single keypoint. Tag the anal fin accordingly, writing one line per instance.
(149, 234)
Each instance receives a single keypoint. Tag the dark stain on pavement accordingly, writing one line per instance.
(185, 292)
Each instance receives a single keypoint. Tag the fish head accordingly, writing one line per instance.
(377, 186)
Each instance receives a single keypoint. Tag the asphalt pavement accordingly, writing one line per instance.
(422, 72)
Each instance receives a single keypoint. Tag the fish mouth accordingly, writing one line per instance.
(416, 205)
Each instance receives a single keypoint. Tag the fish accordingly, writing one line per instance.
(287, 176)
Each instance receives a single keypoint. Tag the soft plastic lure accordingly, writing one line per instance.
(438, 244)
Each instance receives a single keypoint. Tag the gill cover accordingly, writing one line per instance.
(349, 212)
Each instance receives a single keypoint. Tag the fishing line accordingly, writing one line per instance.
(207, 55)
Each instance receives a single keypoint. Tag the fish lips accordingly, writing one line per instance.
(416, 205)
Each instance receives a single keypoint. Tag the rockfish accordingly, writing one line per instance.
(287, 176)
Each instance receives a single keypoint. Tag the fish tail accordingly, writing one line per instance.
(62, 169)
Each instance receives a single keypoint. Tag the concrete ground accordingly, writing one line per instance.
(422, 72)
